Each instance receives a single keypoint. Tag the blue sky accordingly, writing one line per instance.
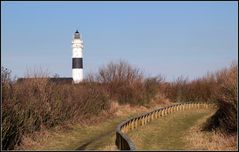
(168, 38)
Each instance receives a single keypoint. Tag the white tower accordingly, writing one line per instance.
(77, 58)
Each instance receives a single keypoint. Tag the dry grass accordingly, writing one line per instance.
(166, 133)
(109, 148)
(73, 135)
(214, 140)
(126, 109)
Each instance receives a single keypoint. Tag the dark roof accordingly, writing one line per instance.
(55, 80)
(61, 80)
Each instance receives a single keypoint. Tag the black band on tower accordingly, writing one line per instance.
(77, 63)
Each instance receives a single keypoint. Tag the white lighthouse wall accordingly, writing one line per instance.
(77, 75)
(77, 53)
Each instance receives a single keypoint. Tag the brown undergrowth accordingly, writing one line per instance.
(197, 139)
(37, 103)
(116, 113)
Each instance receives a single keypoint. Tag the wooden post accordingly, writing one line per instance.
(126, 128)
(123, 129)
(135, 123)
(144, 120)
(120, 141)
(132, 124)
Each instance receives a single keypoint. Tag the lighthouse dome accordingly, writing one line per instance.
(77, 35)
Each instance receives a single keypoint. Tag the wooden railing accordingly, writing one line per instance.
(123, 142)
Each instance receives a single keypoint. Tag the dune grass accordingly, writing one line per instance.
(97, 136)
(79, 137)
(167, 132)
(209, 140)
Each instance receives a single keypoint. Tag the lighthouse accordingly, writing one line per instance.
(77, 58)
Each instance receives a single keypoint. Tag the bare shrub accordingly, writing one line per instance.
(93, 100)
(177, 90)
(6, 83)
(123, 82)
(153, 86)
(227, 79)
(198, 90)
(36, 102)
(119, 72)
(219, 87)
(225, 119)
(5, 75)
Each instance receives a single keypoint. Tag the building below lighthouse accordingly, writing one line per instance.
(77, 58)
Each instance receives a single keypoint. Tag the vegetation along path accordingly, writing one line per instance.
(99, 136)
(167, 133)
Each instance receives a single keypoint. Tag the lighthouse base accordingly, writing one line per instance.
(77, 75)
